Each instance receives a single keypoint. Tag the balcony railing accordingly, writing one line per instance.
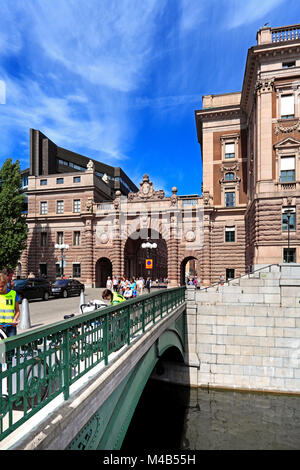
(268, 35)
(37, 366)
(286, 33)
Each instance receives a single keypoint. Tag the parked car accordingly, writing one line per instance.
(66, 287)
(35, 288)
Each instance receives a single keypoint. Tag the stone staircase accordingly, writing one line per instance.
(275, 285)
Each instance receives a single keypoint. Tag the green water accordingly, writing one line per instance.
(179, 418)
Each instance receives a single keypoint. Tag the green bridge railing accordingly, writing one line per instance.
(37, 366)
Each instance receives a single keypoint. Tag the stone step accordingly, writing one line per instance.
(230, 289)
(289, 282)
(270, 275)
(261, 290)
(245, 282)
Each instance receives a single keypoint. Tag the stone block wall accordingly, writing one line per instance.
(254, 347)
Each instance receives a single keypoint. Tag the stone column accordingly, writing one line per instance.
(173, 248)
(88, 252)
(206, 253)
(264, 89)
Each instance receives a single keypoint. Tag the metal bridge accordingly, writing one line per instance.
(75, 384)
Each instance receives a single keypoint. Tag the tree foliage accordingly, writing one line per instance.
(13, 227)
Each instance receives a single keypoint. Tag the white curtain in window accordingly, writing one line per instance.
(229, 229)
(229, 148)
(287, 105)
(291, 209)
(287, 163)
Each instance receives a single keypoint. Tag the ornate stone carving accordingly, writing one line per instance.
(146, 191)
(89, 205)
(117, 200)
(264, 85)
(90, 165)
(286, 129)
(233, 168)
(206, 198)
(190, 236)
(103, 238)
(174, 197)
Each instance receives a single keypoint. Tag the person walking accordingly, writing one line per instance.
(115, 284)
(109, 283)
(148, 284)
(140, 285)
(9, 307)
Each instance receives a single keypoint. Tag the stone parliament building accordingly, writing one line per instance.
(246, 217)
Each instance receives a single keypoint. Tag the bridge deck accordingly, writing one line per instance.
(43, 367)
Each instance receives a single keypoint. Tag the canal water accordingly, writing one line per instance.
(179, 418)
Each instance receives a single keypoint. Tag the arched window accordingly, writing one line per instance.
(229, 176)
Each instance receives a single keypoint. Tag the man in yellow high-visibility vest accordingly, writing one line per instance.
(9, 308)
(114, 297)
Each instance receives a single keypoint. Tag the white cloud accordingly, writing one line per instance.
(166, 102)
(192, 14)
(107, 43)
(244, 12)
(80, 61)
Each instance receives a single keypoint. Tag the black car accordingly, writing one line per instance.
(35, 288)
(66, 287)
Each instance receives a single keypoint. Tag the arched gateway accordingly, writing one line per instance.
(173, 223)
(105, 237)
(103, 271)
(136, 255)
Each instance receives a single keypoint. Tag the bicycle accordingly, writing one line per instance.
(33, 378)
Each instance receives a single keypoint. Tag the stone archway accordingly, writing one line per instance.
(103, 270)
(183, 265)
(135, 256)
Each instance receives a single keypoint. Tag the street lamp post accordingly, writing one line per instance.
(62, 247)
(149, 246)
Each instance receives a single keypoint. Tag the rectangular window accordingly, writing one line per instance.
(58, 270)
(44, 208)
(76, 205)
(60, 207)
(44, 238)
(25, 182)
(229, 273)
(287, 169)
(230, 199)
(229, 234)
(287, 106)
(76, 270)
(288, 65)
(43, 270)
(229, 150)
(59, 237)
(76, 238)
(43, 182)
(76, 179)
(289, 255)
(288, 217)
(59, 181)
(189, 202)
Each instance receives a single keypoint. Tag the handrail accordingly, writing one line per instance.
(243, 275)
(41, 364)
(286, 33)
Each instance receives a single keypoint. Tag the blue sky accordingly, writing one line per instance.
(119, 80)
